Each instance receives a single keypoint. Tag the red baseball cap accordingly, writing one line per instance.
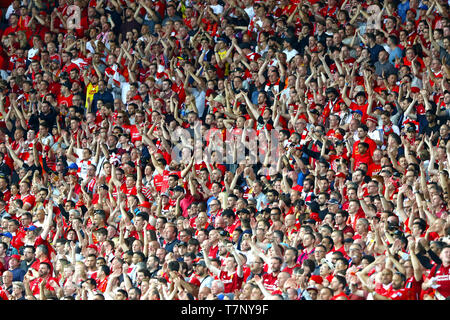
(15, 256)
(370, 118)
(340, 175)
(316, 278)
(145, 204)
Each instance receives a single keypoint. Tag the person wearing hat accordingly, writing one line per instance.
(72, 168)
(145, 207)
(374, 132)
(313, 292)
(14, 267)
(217, 103)
(7, 238)
(411, 133)
(201, 275)
(333, 205)
(387, 125)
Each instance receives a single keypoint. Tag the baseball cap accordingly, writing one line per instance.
(145, 204)
(220, 99)
(7, 234)
(340, 175)
(358, 112)
(165, 194)
(178, 188)
(15, 256)
(30, 228)
(316, 278)
(73, 166)
(370, 118)
(312, 288)
(333, 201)
(200, 263)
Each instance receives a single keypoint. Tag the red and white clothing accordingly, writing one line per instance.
(232, 282)
(270, 281)
(442, 278)
(83, 166)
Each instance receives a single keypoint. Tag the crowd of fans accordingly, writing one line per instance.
(225, 150)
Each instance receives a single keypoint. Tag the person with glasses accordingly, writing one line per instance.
(215, 209)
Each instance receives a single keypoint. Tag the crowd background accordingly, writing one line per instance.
(96, 205)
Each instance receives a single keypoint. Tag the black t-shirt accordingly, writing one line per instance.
(15, 177)
(49, 118)
(430, 130)
(129, 26)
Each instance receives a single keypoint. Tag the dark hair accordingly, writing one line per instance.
(140, 254)
(341, 280)
(173, 265)
(123, 292)
(105, 269)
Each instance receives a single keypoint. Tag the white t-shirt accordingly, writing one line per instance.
(217, 9)
(290, 54)
(376, 134)
(250, 12)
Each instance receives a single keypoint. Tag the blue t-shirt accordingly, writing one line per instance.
(396, 53)
(402, 8)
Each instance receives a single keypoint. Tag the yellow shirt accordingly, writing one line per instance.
(90, 91)
(222, 55)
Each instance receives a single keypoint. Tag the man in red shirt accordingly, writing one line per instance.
(397, 292)
(439, 277)
(363, 131)
(290, 260)
(44, 275)
(361, 155)
(270, 280)
(338, 285)
(102, 278)
(232, 273)
(13, 25)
